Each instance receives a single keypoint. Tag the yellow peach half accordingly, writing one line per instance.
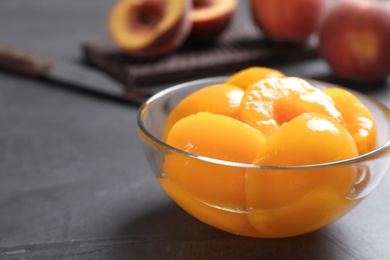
(358, 119)
(213, 136)
(245, 77)
(272, 101)
(221, 99)
(308, 139)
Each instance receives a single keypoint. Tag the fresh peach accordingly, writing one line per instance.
(150, 28)
(210, 18)
(355, 40)
(290, 21)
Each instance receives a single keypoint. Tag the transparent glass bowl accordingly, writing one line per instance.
(320, 202)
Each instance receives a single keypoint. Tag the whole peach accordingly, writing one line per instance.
(355, 40)
(288, 20)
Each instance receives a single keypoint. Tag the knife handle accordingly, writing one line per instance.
(22, 62)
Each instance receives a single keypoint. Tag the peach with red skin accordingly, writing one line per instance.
(355, 40)
(150, 28)
(210, 18)
(288, 21)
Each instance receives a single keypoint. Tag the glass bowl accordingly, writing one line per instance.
(212, 202)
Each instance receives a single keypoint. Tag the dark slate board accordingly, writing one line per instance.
(241, 46)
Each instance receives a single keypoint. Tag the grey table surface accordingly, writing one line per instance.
(74, 183)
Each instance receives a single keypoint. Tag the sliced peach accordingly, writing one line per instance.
(359, 121)
(150, 28)
(245, 77)
(210, 18)
(274, 100)
(221, 99)
(310, 138)
(214, 136)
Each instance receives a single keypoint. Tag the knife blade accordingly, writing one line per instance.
(69, 75)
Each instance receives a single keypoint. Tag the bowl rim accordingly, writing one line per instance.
(183, 85)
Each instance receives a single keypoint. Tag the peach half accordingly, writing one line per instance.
(210, 18)
(150, 28)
